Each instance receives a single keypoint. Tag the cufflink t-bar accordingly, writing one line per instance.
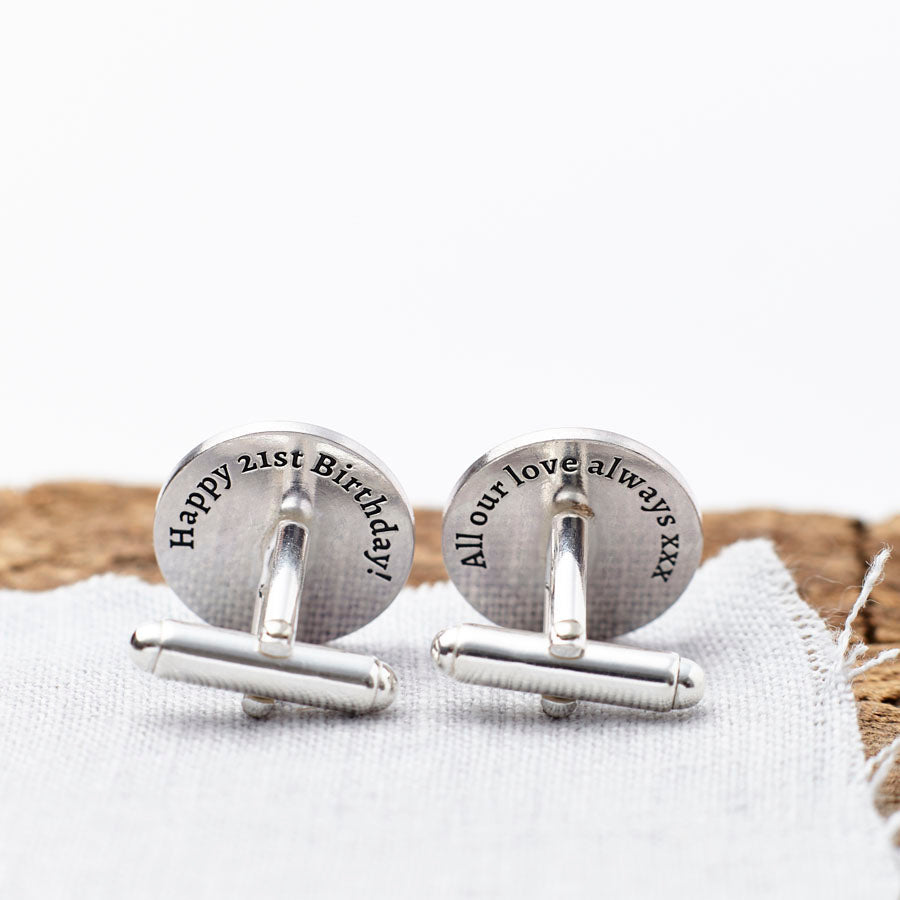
(565, 539)
(280, 536)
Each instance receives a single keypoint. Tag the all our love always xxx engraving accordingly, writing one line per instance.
(648, 499)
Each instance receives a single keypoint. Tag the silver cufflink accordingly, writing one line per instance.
(280, 536)
(565, 539)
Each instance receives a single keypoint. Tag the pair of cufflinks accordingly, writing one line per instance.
(284, 536)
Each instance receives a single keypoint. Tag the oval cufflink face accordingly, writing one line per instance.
(644, 536)
(217, 514)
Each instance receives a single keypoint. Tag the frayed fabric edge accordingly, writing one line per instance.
(877, 767)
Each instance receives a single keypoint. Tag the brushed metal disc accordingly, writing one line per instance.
(644, 539)
(217, 513)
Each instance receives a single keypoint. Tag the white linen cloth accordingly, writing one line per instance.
(117, 784)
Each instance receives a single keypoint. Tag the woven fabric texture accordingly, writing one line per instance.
(117, 784)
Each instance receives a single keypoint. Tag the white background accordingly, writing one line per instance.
(434, 226)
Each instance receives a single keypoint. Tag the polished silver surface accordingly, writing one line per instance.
(565, 617)
(565, 538)
(604, 673)
(281, 536)
(565, 610)
(223, 658)
(278, 607)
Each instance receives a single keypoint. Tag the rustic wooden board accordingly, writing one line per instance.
(56, 534)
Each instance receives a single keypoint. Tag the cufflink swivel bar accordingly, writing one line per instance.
(560, 663)
(300, 589)
(556, 485)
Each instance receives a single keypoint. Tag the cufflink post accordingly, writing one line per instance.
(278, 607)
(565, 615)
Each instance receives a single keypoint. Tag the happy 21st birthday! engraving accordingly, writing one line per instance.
(212, 488)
